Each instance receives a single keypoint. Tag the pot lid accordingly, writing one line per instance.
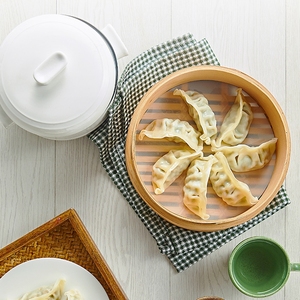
(56, 71)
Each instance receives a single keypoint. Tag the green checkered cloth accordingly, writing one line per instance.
(182, 247)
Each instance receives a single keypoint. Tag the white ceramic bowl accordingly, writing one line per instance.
(58, 76)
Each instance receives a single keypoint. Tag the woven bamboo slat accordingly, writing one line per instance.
(65, 237)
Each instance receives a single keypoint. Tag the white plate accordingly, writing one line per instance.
(39, 272)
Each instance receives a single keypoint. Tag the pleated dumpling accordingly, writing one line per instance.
(170, 166)
(244, 158)
(201, 113)
(227, 187)
(195, 188)
(54, 292)
(236, 124)
(173, 130)
(73, 295)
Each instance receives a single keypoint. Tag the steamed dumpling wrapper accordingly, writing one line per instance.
(170, 166)
(54, 292)
(244, 158)
(173, 130)
(236, 124)
(201, 113)
(195, 188)
(230, 189)
(72, 295)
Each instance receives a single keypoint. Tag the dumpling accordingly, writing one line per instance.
(243, 158)
(169, 167)
(195, 188)
(227, 187)
(237, 121)
(54, 292)
(201, 113)
(72, 295)
(173, 130)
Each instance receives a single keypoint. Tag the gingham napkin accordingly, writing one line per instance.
(182, 247)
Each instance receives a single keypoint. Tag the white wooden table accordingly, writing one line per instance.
(41, 178)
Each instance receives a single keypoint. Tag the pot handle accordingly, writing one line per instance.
(115, 41)
(50, 68)
(4, 118)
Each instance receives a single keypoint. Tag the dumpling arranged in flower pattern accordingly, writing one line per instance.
(169, 167)
(201, 113)
(231, 190)
(195, 187)
(236, 123)
(244, 158)
(173, 130)
(230, 155)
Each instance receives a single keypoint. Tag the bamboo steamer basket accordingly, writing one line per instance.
(269, 121)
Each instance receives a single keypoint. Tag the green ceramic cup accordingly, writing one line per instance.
(260, 267)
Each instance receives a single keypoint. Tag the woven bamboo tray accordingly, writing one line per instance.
(64, 237)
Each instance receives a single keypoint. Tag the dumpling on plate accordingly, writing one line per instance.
(236, 123)
(54, 292)
(244, 158)
(201, 113)
(170, 166)
(72, 295)
(173, 130)
(227, 186)
(195, 188)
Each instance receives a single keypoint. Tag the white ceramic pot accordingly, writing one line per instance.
(58, 76)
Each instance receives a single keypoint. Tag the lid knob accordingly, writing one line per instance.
(50, 68)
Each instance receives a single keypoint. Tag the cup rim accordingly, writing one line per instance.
(238, 247)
